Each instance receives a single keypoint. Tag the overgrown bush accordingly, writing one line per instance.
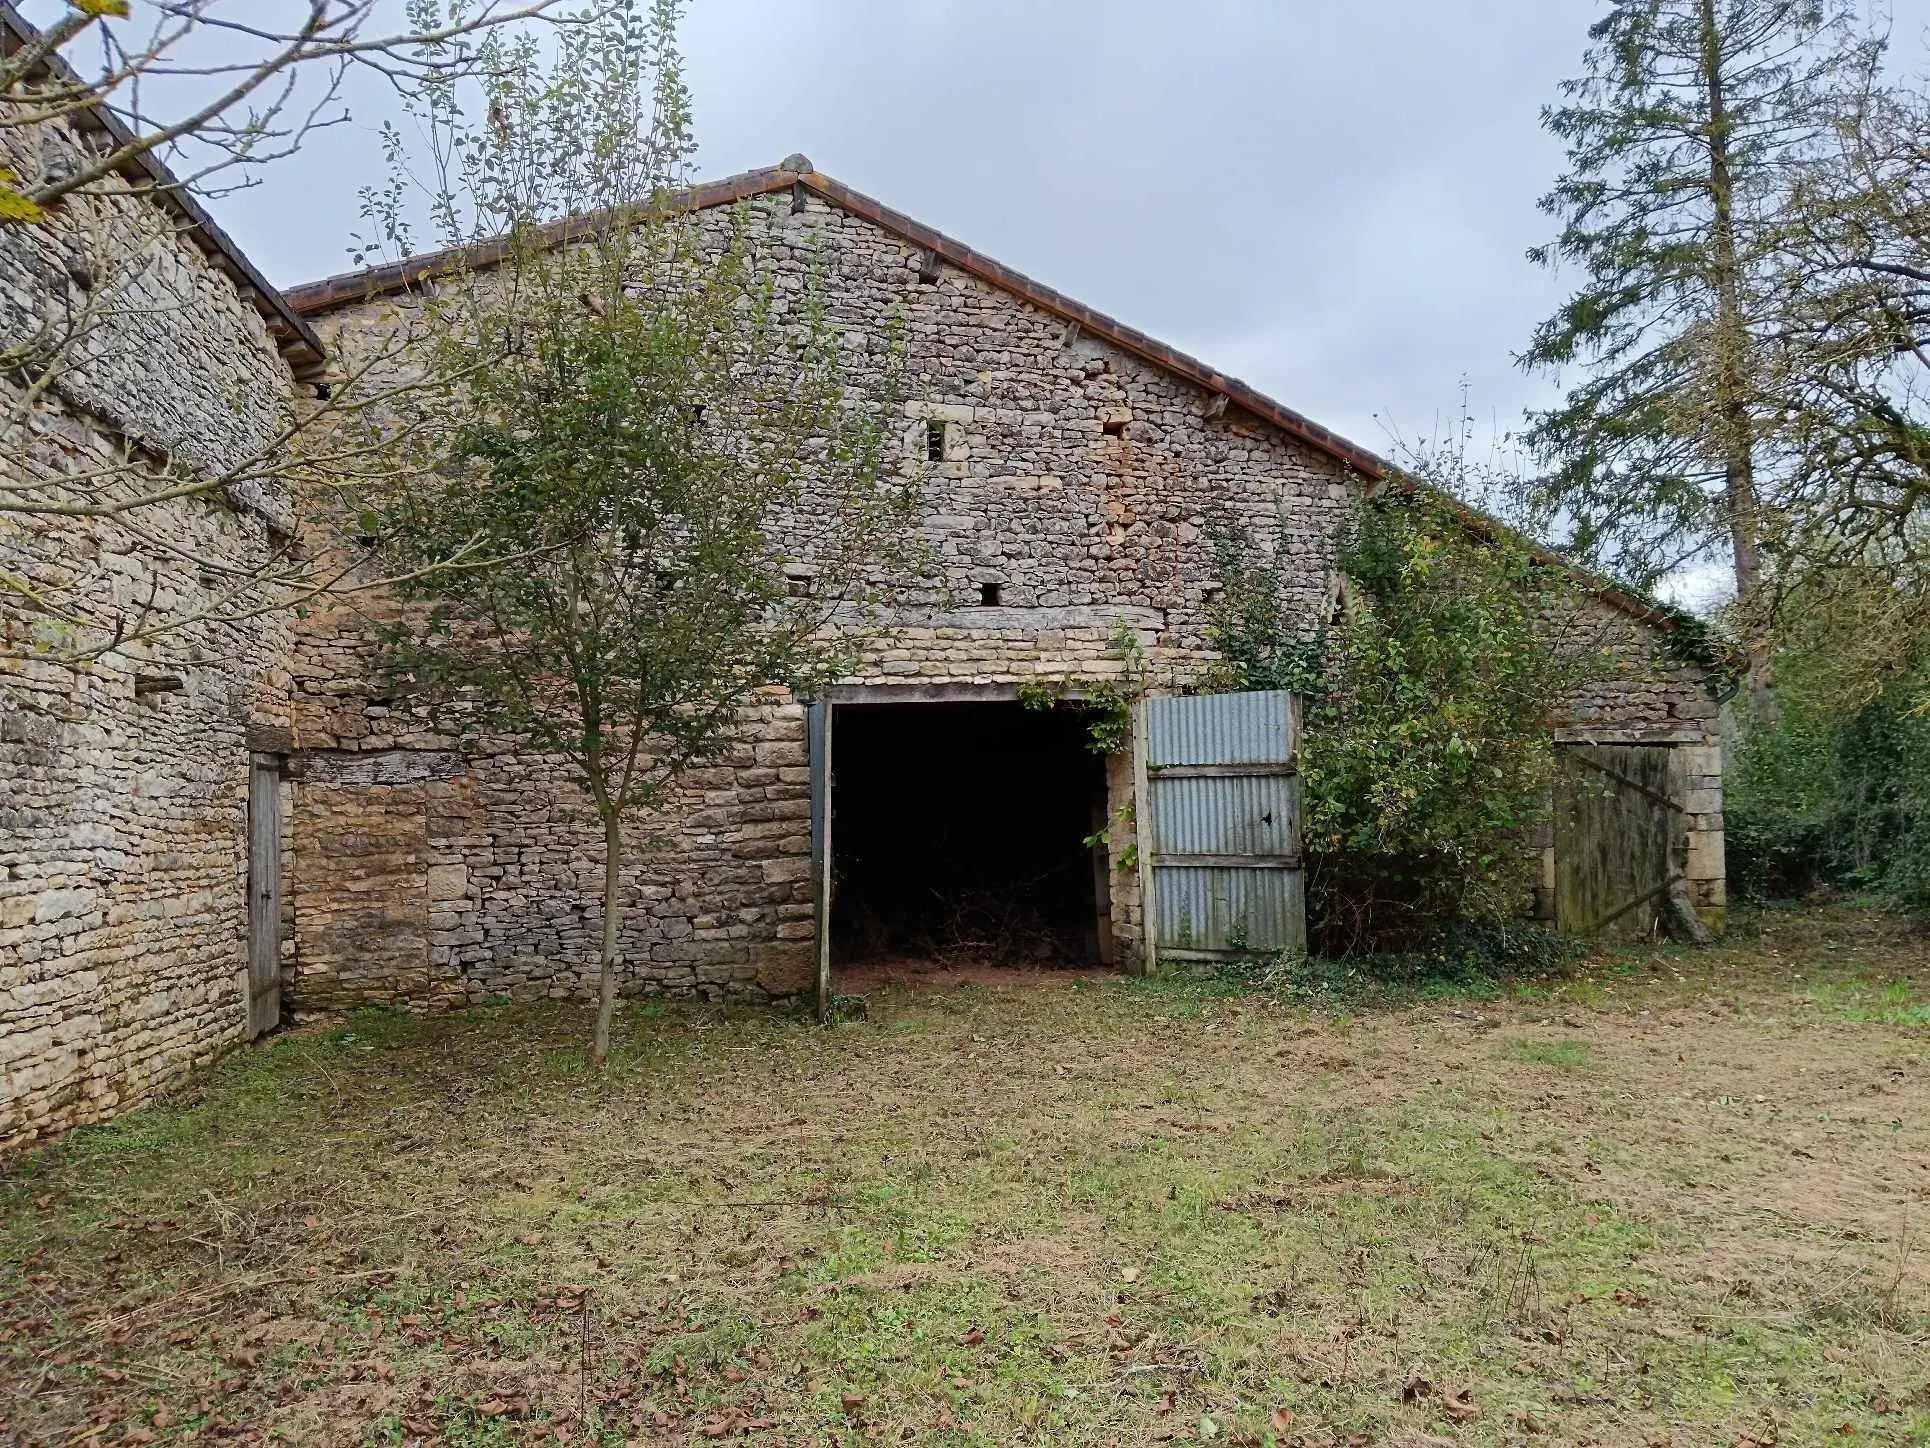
(1838, 794)
(1427, 753)
(1465, 957)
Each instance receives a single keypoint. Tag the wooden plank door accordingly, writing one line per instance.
(1620, 838)
(1222, 800)
(264, 896)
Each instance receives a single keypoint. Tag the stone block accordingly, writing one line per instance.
(448, 882)
(785, 971)
(1706, 856)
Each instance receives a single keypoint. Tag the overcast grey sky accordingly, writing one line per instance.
(1328, 198)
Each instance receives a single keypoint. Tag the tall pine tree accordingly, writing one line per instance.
(1684, 134)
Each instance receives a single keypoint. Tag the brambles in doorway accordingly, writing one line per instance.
(1127, 859)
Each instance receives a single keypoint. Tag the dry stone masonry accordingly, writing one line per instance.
(1068, 482)
(123, 784)
(1070, 470)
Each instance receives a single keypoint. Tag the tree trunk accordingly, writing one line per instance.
(606, 985)
(1732, 402)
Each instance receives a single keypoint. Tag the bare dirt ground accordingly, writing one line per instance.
(1676, 1198)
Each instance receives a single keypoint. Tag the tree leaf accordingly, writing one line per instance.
(16, 207)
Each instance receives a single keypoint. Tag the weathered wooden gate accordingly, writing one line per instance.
(1620, 838)
(1221, 793)
(264, 896)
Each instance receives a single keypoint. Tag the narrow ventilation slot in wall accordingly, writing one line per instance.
(935, 442)
(1115, 427)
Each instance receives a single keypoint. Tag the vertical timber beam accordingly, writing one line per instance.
(1143, 840)
(264, 895)
(821, 714)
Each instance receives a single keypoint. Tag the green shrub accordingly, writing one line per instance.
(1427, 752)
(1834, 796)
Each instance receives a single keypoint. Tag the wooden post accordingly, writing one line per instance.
(820, 719)
(1143, 840)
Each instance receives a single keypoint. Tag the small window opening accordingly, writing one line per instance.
(800, 587)
(988, 595)
(935, 442)
(697, 412)
(1115, 427)
(930, 269)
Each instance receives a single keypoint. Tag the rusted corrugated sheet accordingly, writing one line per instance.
(1224, 811)
(1244, 815)
(1230, 912)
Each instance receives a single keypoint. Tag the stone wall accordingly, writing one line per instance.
(1075, 477)
(122, 814)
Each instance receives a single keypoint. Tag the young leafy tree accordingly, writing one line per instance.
(1684, 136)
(669, 444)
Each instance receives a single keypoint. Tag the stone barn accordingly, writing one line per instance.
(209, 830)
(1071, 464)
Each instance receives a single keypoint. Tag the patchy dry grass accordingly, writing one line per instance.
(1673, 1199)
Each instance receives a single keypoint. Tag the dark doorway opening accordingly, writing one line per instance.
(960, 834)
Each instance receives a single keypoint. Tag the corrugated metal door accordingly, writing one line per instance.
(1222, 796)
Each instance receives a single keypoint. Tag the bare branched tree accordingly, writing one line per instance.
(215, 89)
(208, 490)
(1853, 357)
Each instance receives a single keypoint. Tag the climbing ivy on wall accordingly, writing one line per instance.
(1106, 703)
(1427, 751)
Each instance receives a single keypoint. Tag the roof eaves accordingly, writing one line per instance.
(295, 338)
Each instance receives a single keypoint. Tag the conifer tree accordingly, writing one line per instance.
(1685, 132)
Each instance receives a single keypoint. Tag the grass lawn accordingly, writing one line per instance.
(1675, 1199)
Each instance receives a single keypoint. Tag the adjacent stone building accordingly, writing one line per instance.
(124, 778)
(1071, 466)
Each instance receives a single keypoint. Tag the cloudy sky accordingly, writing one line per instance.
(1329, 198)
